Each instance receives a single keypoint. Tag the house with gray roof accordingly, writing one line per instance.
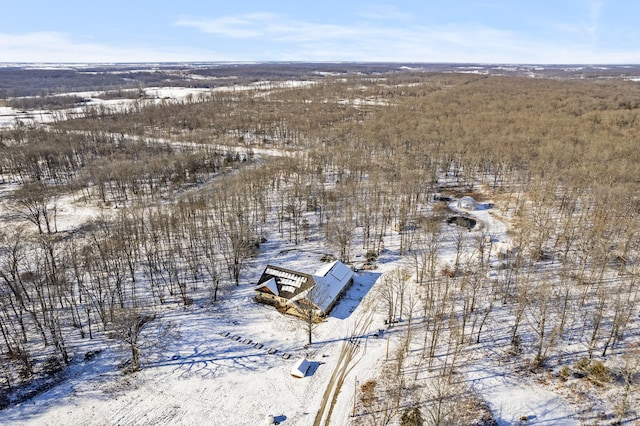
(295, 292)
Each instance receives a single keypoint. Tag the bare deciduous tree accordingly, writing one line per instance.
(36, 203)
(127, 327)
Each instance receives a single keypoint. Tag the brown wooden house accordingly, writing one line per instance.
(293, 292)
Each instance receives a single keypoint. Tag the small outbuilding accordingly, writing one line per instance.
(467, 203)
(301, 368)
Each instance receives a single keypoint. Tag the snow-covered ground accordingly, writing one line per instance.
(205, 376)
(229, 363)
(512, 399)
(9, 116)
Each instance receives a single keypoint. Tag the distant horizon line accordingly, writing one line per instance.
(200, 62)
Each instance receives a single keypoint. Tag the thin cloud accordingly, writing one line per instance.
(269, 37)
(595, 12)
(266, 25)
(59, 47)
(582, 26)
(385, 13)
(371, 41)
(278, 28)
(359, 42)
(243, 26)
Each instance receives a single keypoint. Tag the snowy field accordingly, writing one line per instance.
(9, 116)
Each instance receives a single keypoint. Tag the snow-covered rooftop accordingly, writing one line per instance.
(331, 280)
(322, 288)
(467, 203)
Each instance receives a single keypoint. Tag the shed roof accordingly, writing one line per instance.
(300, 368)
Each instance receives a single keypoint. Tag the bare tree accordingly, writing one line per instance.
(539, 315)
(444, 401)
(340, 233)
(36, 203)
(392, 294)
(628, 372)
(127, 327)
(309, 309)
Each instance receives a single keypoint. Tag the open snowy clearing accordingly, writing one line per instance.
(9, 116)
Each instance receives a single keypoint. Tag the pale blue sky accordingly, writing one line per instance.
(489, 31)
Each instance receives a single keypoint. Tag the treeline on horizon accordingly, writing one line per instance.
(42, 80)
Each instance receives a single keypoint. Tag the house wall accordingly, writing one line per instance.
(270, 299)
(282, 305)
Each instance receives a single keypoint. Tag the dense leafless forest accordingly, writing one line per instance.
(185, 191)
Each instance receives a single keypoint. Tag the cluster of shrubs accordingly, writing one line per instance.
(593, 370)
